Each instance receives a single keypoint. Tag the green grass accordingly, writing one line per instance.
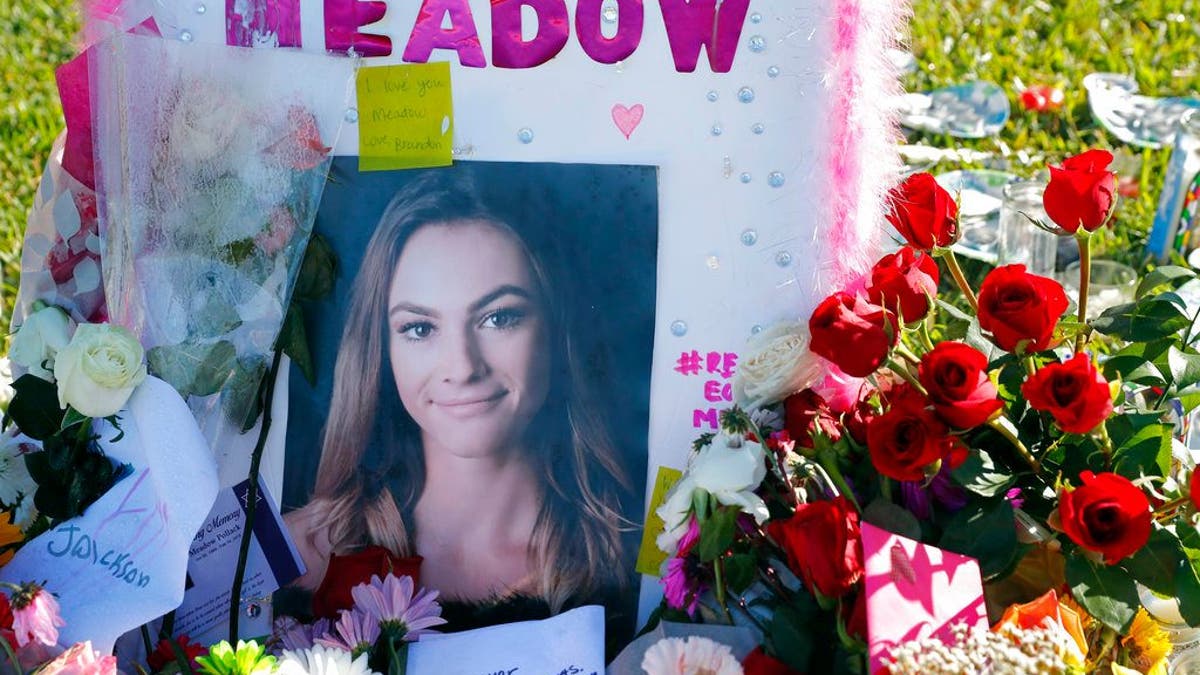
(1058, 42)
(35, 37)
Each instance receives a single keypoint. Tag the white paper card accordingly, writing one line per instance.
(571, 643)
(122, 563)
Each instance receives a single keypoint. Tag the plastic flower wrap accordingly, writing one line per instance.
(211, 165)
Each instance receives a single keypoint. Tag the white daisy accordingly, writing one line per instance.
(690, 656)
(321, 660)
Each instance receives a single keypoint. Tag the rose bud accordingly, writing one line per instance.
(1080, 193)
(1075, 393)
(806, 414)
(923, 212)
(956, 379)
(903, 283)
(1107, 514)
(1019, 309)
(347, 571)
(852, 333)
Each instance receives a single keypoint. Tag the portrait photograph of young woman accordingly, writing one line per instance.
(481, 405)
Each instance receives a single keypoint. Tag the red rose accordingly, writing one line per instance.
(907, 438)
(1075, 393)
(165, 653)
(758, 662)
(1019, 309)
(852, 333)
(823, 545)
(347, 571)
(923, 212)
(956, 379)
(903, 283)
(1081, 191)
(1194, 489)
(806, 414)
(1107, 514)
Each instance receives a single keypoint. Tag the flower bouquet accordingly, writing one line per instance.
(1003, 427)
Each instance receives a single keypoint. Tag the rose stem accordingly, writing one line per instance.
(1016, 443)
(961, 280)
(903, 371)
(1106, 445)
(239, 574)
(1085, 277)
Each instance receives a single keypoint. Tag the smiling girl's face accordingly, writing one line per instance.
(468, 337)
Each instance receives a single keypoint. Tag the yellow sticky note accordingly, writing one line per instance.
(650, 558)
(405, 116)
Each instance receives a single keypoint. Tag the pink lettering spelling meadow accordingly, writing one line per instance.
(691, 25)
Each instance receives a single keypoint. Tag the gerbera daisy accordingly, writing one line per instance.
(355, 631)
(691, 656)
(1148, 644)
(321, 660)
(391, 601)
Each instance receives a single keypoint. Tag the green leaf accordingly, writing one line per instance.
(1172, 275)
(979, 475)
(318, 271)
(34, 407)
(293, 340)
(739, 571)
(893, 518)
(1147, 452)
(1155, 564)
(72, 418)
(716, 534)
(1142, 321)
(241, 398)
(1185, 368)
(985, 531)
(789, 640)
(194, 369)
(1187, 591)
(1136, 363)
(1106, 592)
(215, 319)
(955, 321)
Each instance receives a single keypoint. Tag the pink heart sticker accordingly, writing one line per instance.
(628, 119)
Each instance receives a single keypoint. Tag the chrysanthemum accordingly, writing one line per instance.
(1148, 645)
(321, 660)
(247, 658)
(690, 656)
(355, 631)
(35, 615)
(288, 633)
(682, 585)
(392, 603)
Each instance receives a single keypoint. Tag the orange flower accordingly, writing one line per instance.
(9, 534)
(1047, 612)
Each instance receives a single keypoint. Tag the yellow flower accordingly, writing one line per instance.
(9, 534)
(1148, 645)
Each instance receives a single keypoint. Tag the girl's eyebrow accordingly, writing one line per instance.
(499, 292)
(412, 309)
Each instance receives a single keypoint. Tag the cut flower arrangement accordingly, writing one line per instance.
(1018, 433)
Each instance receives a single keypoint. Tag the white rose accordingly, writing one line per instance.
(98, 369)
(729, 469)
(204, 122)
(777, 365)
(39, 339)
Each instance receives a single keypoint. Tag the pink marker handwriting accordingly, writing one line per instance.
(718, 369)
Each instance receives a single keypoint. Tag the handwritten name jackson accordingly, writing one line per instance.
(79, 545)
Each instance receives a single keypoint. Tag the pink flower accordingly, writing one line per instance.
(355, 631)
(35, 615)
(81, 659)
(288, 633)
(392, 602)
(682, 585)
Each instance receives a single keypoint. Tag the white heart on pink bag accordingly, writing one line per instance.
(628, 119)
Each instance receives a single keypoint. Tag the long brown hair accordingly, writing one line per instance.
(372, 468)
